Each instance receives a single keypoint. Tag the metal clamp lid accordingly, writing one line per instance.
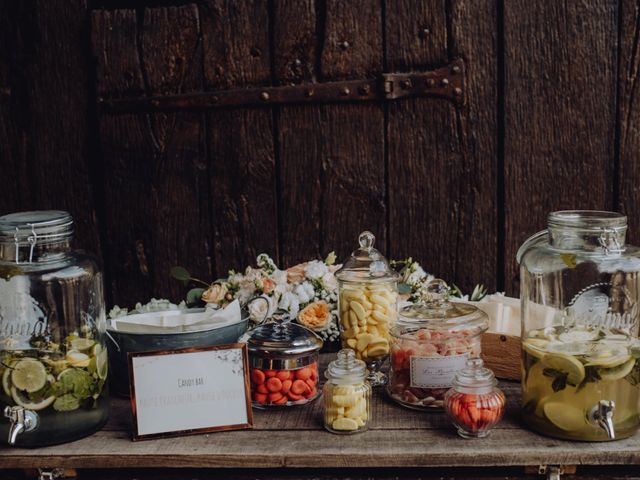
(280, 336)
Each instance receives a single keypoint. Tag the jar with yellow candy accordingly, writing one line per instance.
(347, 395)
(367, 300)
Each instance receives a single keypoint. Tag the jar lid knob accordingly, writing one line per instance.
(366, 240)
(435, 294)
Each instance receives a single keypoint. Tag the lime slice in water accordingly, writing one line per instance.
(616, 373)
(29, 375)
(24, 401)
(6, 381)
(565, 416)
(567, 364)
(78, 359)
(82, 344)
(66, 403)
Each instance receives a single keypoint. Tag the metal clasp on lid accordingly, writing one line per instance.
(31, 239)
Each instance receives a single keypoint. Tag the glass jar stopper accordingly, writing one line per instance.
(475, 376)
(366, 263)
(346, 366)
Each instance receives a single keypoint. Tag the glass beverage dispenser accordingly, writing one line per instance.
(579, 291)
(53, 360)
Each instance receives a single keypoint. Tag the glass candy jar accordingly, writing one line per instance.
(347, 395)
(367, 300)
(579, 288)
(283, 357)
(474, 404)
(53, 360)
(433, 339)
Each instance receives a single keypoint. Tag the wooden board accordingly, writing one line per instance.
(560, 61)
(442, 160)
(295, 438)
(158, 213)
(242, 168)
(45, 152)
(332, 167)
(628, 117)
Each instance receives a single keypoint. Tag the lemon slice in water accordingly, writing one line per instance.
(24, 401)
(565, 416)
(535, 347)
(29, 375)
(82, 344)
(616, 373)
(567, 364)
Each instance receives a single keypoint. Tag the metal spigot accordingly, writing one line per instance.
(602, 415)
(22, 421)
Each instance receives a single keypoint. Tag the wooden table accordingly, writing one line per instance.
(291, 443)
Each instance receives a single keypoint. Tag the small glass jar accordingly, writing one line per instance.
(53, 358)
(434, 339)
(367, 300)
(474, 404)
(283, 357)
(347, 395)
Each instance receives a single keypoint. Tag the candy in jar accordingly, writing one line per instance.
(433, 339)
(347, 395)
(283, 358)
(368, 291)
(474, 403)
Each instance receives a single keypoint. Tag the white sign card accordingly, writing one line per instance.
(190, 391)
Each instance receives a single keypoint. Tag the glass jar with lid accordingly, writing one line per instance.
(579, 288)
(53, 360)
(433, 339)
(347, 395)
(474, 404)
(367, 300)
(283, 357)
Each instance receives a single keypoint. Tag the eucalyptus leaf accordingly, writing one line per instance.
(194, 296)
(182, 274)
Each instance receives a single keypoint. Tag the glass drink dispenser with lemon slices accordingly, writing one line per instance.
(53, 360)
(579, 287)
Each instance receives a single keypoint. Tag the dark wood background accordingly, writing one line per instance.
(551, 122)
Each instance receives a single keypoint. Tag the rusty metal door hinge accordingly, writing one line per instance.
(445, 82)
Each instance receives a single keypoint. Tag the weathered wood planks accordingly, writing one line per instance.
(560, 79)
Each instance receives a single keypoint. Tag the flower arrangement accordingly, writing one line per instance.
(308, 292)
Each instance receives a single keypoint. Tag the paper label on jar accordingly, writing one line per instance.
(435, 372)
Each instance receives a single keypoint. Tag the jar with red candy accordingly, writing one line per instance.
(283, 361)
(432, 340)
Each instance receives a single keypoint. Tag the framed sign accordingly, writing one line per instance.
(190, 391)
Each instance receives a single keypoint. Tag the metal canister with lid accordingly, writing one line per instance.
(283, 357)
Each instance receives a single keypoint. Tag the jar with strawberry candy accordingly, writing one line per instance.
(432, 340)
(283, 357)
(474, 404)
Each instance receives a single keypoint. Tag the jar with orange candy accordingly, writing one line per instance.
(283, 361)
(474, 404)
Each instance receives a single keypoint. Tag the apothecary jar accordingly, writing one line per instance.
(579, 291)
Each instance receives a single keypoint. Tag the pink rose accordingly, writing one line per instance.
(295, 274)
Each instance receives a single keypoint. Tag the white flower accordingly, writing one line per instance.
(235, 278)
(289, 302)
(305, 292)
(329, 282)
(315, 269)
(260, 308)
(279, 276)
(265, 262)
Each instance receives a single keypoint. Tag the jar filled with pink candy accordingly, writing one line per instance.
(433, 339)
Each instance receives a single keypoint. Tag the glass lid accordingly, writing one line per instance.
(346, 366)
(366, 263)
(282, 337)
(474, 376)
(434, 311)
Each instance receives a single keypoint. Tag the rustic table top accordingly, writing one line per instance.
(294, 437)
